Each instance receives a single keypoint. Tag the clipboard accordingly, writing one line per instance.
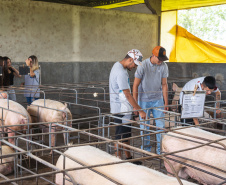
(193, 104)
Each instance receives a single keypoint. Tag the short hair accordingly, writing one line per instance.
(210, 82)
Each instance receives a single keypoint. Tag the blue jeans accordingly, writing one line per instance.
(159, 123)
(12, 95)
(30, 100)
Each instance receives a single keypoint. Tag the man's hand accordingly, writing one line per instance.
(166, 107)
(142, 114)
(136, 112)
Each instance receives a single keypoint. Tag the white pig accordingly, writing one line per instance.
(49, 115)
(206, 154)
(12, 118)
(125, 173)
(6, 164)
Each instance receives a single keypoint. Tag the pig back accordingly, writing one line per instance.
(13, 118)
(45, 114)
(125, 173)
(206, 154)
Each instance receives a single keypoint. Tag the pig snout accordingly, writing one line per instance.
(17, 119)
(6, 164)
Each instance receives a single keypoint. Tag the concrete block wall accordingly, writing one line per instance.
(65, 33)
(74, 72)
(77, 72)
(78, 44)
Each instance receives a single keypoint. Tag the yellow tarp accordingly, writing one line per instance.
(169, 5)
(189, 48)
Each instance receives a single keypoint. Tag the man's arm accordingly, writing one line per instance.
(196, 121)
(165, 92)
(218, 97)
(136, 83)
(131, 100)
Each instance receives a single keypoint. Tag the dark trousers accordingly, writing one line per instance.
(121, 131)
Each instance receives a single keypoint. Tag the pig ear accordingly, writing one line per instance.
(23, 120)
(175, 87)
(64, 107)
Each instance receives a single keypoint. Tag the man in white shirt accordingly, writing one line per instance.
(121, 100)
(207, 84)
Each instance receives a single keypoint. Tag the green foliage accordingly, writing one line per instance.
(207, 23)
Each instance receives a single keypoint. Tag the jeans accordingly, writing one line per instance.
(12, 95)
(30, 100)
(159, 123)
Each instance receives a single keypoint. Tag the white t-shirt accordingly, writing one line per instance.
(190, 86)
(119, 81)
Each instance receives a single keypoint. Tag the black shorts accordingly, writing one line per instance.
(122, 131)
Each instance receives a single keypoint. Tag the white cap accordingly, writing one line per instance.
(136, 55)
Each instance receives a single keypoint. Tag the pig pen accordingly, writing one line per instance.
(90, 126)
(34, 161)
(36, 166)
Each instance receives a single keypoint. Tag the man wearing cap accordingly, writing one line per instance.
(121, 100)
(149, 89)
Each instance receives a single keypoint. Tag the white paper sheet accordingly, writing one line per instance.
(193, 106)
